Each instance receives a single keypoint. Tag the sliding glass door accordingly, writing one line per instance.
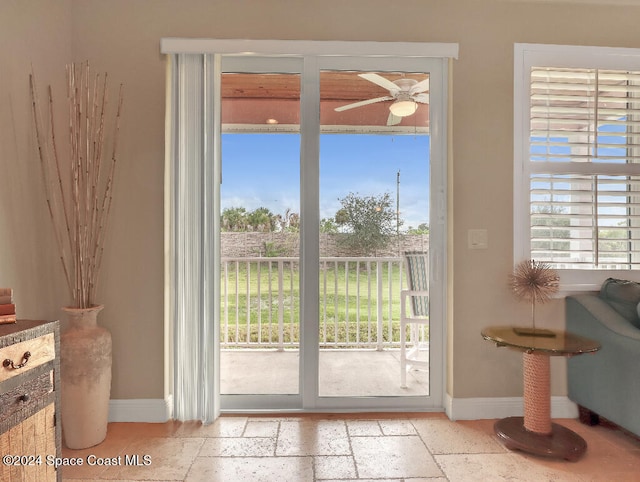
(260, 232)
(333, 168)
(374, 207)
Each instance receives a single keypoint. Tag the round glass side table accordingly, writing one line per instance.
(535, 432)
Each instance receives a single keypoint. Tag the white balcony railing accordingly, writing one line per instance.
(359, 302)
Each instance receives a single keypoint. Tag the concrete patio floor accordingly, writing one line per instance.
(343, 373)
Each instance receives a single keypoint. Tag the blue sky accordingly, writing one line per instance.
(263, 170)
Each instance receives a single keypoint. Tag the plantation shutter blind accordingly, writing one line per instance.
(585, 168)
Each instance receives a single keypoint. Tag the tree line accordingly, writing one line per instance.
(366, 224)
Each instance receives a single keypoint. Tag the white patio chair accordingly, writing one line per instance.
(417, 265)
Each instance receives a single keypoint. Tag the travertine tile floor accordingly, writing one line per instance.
(342, 447)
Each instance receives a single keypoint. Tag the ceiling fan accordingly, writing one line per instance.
(406, 94)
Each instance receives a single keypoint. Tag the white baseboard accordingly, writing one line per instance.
(483, 408)
(149, 410)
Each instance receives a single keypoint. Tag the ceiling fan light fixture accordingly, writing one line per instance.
(403, 108)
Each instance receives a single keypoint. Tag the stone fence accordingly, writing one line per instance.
(248, 244)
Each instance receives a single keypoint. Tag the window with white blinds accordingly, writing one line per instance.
(584, 167)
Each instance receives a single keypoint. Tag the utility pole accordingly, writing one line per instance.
(398, 209)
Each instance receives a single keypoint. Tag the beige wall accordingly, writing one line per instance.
(122, 37)
(34, 34)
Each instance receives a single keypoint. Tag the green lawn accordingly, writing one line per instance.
(345, 316)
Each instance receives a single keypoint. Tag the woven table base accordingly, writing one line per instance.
(535, 433)
(537, 393)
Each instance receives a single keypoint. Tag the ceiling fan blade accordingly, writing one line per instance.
(362, 102)
(421, 86)
(422, 98)
(381, 81)
(393, 120)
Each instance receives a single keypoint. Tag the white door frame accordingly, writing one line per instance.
(378, 56)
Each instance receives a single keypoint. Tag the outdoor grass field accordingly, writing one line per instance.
(349, 302)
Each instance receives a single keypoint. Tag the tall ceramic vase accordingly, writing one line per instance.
(85, 372)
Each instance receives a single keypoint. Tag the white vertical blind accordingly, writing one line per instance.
(193, 245)
(585, 167)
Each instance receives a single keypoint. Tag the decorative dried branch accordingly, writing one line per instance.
(44, 157)
(534, 281)
(81, 203)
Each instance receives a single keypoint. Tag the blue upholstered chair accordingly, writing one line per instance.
(606, 384)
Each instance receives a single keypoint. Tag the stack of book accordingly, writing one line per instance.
(7, 307)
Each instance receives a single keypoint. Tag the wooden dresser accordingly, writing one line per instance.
(30, 401)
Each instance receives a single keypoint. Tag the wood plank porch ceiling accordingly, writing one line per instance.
(252, 99)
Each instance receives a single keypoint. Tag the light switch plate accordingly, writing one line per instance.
(478, 239)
